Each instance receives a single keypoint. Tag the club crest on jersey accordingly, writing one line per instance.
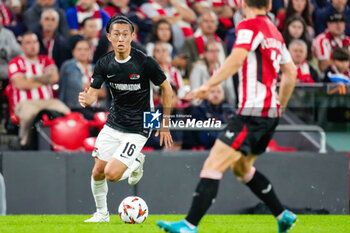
(134, 76)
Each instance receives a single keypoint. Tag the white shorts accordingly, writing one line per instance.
(120, 145)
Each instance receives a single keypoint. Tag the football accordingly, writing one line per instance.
(133, 210)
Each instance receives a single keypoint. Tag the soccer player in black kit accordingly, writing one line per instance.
(129, 74)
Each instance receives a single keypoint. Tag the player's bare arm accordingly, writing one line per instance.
(230, 67)
(164, 132)
(288, 81)
(88, 96)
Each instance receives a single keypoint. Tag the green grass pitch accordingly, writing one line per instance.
(210, 223)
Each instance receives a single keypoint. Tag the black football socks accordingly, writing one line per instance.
(203, 197)
(262, 188)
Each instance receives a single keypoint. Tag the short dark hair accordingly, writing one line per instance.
(86, 19)
(340, 54)
(258, 3)
(76, 39)
(25, 34)
(119, 19)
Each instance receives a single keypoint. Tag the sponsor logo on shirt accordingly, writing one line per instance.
(125, 87)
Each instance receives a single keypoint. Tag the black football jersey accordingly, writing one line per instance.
(130, 84)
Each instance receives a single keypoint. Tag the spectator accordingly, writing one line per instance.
(75, 76)
(221, 8)
(176, 12)
(161, 32)
(296, 29)
(177, 135)
(213, 107)
(296, 7)
(84, 9)
(33, 14)
(333, 37)
(298, 52)
(9, 20)
(134, 13)
(17, 8)
(205, 67)
(31, 77)
(194, 46)
(52, 43)
(339, 71)
(162, 55)
(336, 6)
(90, 32)
(9, 48)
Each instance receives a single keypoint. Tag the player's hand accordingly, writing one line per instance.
(199, 93)
(165, 137)
(82, 98)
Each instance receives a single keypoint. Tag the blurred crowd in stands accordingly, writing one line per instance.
(48, 49)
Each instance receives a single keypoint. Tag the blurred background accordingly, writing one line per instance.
(46, 137)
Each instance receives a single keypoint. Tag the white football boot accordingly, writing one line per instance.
(137, 173)
(99, 217)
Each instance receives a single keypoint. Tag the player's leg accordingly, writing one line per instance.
(258, 183)
(263, 189)
(127, 159)
(106, 144)
(260, 132)
(220, 158)
(136, 170)
(114, 170)
(99, 190)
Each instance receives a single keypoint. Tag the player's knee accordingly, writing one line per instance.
(241, 169)
(98, 174)
(246, 174)
(112, 176)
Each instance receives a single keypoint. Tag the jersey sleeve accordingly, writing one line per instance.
(286, 58)
(248, 37)
(154, 72)
(49, 62)
(98, 76)
(15, 68)
(322, 48)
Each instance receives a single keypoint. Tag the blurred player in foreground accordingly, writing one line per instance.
(128, 73)
(258, 55)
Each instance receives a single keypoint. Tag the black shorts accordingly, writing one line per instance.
(249, 134)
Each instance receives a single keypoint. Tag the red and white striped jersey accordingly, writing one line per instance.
(257, 95)
(235, 3)
(211, 3)
(325, 43)
(174, 77)
(153, 9)
(21, 65)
